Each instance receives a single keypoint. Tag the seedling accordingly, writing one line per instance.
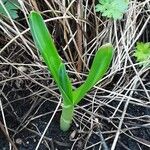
(142, 53)
(112, 8)
(71, 97)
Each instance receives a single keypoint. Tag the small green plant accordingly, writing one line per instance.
(12, 6)
(142, 52)
(71, 97)
(112, 8)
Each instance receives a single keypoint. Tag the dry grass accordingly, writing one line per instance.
(108, 111)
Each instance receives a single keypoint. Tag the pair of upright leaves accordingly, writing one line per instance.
(71, 97)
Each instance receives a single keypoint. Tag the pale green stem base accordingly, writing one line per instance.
(66, 117)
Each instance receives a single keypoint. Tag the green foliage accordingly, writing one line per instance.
(45, 45)
(142, 52)
(71, 97)
(99, 67)
(112, 8)
(12, 6)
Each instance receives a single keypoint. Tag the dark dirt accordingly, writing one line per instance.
(25, 132)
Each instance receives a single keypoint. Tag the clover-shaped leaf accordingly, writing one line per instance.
(142, 52)
(112, 8)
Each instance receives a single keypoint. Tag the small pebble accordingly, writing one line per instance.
(73, 134)
(96, 120)
(19, 141)
(22, 68)
(34, 140)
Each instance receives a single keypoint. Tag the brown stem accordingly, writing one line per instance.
(34, 4)
(79, 36)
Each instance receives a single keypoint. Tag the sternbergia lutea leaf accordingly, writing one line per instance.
(45, 45)
(71, 97)
(98, 69)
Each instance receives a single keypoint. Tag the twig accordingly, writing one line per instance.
(79, 36)
(34, 4)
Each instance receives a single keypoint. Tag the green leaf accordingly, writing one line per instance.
(45, 45)
(98, 69)
(142, 52)
(11, 6)
(65, 84)
(112, 8)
